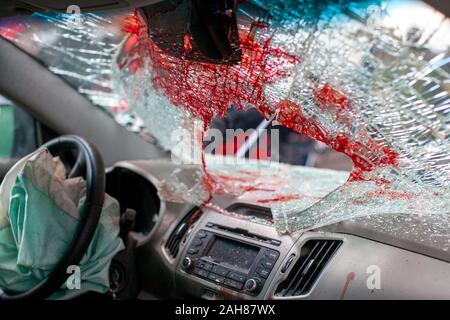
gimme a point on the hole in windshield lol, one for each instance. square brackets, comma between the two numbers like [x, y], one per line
[246, 133]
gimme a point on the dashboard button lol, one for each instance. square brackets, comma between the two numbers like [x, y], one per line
[207, 266]
[187, 263]
[201, 273]
[197, 243]
[201, 235]
[272, 254]
[268, 264]
[237, 277]
[204, 265]
[252, 285]
[233, 284]
[262, 272]
[220, 270]
[216, 278]
[288, 263]
[192, 251]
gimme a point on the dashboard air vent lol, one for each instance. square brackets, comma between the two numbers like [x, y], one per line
[314, 256]
[173, 243]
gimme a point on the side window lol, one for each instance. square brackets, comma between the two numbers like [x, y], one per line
[18, 131]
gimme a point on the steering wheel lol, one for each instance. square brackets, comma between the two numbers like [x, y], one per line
[90, 158]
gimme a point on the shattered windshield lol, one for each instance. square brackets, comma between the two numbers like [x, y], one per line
[367, 79]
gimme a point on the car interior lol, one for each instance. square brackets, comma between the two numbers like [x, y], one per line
[231, 248]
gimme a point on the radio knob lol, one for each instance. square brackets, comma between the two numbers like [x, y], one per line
[252, 285]
[187, 263]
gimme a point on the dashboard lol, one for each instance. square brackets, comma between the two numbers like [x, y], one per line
[202, 253]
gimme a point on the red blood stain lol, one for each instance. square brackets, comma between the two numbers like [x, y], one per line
[131, 57]
[350, 277]
[187, 45]
[260, 25]
[243, 184]
[252, 173]
[235, 179]
[391, 195]
[207, 180]
[334, 101]
[12, 28]
[385, 194]
[132, 24]
[290, 116]
[358, 175]
[195, 216]
[123, 106]
[328, 97]
[227, 294]
[207, 90]
[280, 198]
[366, 154]
[256, 188]
[260, 151]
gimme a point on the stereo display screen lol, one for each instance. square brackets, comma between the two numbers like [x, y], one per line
[233, 253]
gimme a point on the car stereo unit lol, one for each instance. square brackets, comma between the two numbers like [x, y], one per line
[229, 262]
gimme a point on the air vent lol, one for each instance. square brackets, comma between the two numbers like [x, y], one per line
[173, 243]
[314, 256]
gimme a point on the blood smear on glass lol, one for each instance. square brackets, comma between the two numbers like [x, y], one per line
[207, 90]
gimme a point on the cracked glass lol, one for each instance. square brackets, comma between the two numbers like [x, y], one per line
[369, 79]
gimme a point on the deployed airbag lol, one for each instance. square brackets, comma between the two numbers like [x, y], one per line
[39, 215]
